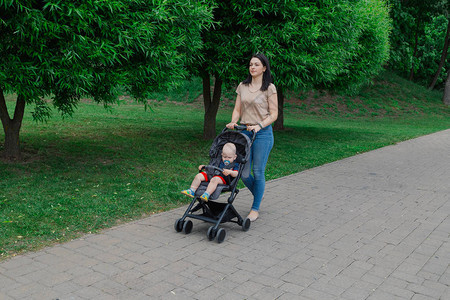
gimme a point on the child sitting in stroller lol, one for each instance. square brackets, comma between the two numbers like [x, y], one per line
[229, 169]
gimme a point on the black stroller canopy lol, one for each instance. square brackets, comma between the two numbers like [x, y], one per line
[240, 140]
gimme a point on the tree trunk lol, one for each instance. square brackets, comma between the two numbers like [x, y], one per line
[211, 105]
[443, 57]
[11, 127]
[446, 98]
[279, 123]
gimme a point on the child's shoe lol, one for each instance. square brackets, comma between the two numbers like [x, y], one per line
[205, 196]
[189, 192]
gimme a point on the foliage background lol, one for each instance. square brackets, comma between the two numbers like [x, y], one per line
[327, 44]
[66, 50]
[430, 27]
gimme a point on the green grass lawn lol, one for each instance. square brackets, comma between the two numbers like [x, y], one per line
[105, 167]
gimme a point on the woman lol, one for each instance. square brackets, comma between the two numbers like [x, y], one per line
[257, 107]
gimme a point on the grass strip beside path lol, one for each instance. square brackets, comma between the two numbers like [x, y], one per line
[102, 168]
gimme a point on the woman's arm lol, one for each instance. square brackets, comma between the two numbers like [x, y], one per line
[273, 111]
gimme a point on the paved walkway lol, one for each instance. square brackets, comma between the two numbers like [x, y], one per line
[373, 226]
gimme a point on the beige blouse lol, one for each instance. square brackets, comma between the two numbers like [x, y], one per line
[254, 105]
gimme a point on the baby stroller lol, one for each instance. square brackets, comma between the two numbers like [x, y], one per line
[213, 211]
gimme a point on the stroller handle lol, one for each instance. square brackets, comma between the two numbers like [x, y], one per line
[236, 127]
[240, 127]
[211, 168]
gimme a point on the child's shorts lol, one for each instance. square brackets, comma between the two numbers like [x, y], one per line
[225, 179]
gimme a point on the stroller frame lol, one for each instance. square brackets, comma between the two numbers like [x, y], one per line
[218, 212]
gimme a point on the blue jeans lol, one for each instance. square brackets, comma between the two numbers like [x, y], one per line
[259, 154]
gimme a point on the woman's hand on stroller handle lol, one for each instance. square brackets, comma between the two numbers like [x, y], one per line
[254, 128]
[235, 126]
[240, 127]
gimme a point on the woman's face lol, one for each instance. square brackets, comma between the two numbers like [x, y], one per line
[256, 67]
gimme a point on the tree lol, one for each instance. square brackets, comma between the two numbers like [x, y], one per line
[443, 57]
[337, 44]
[446, 98]
[422, 12]
[65, 50]
[323, 53]
[418, 35]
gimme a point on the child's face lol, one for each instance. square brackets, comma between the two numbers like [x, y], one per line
[230, 156]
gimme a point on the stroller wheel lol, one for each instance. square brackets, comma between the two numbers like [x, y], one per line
[187, 226]
[221, 234]
[211, 233]
[178, 225]
[246, 224]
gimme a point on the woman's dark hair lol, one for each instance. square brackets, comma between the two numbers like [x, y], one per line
[267, 76]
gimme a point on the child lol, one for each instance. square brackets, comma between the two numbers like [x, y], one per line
[230, 169]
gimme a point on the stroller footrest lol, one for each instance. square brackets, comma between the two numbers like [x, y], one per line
[220, 189]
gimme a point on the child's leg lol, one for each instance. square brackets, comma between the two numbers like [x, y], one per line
[195, 184]
[215, 181]
[197, 180]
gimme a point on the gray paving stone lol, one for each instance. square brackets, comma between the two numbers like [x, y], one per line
[4, 296]
[249, 288]
[231, 296]
[324, 285]
[382, 295]
[314, 294]
[88, 292]
[396, 291]
[267, 293]
[89, 279]
[374, 226]
[355, 292]
[424, 290]
[421, 297]
[289, 296]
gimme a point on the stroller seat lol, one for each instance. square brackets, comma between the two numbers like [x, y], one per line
[221, 188]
